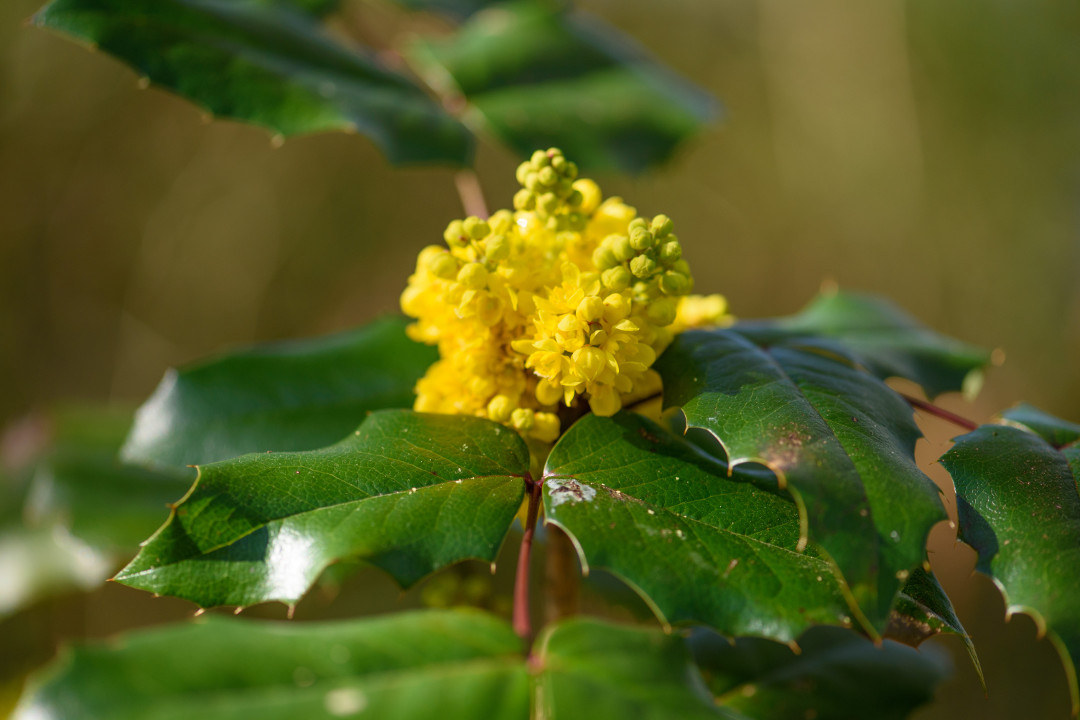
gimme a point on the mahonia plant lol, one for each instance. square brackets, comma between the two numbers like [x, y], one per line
[569, 298]
[773, 519]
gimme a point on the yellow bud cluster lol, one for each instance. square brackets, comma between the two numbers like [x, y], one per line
[569, 296]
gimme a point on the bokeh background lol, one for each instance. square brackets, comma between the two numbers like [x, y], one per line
[928, 150]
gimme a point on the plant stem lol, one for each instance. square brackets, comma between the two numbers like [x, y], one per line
[471, 193]
[522, 617]
[940, 412]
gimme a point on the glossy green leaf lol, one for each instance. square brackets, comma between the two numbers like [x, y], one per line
[838, 438]
[536, 76]
[411, 666]
[700, 546]
[298, 395]
[407, 492]
[1055, 431]
[878, 336]
[591, 670]
[453, 665]
[922, 611]
[269, 64]
[1018, 506]
[837, 675]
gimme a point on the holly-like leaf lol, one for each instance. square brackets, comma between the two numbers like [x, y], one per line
[591, 670]
[922, 611]
[1053, 430]
[298, 395]
[266, 63]
[839, 439]
[407, 492]
[459, 9]
[837, 675]
[457, 665]
[700, 546]
[1018, 507]
[538, 76]
[878, 336]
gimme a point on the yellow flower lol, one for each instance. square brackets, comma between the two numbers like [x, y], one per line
[568, 298]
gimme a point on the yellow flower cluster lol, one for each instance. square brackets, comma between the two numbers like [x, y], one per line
[570, 295]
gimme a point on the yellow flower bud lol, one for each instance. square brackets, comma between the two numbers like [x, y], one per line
[670, 252]
[589, 362]
[499, 408]
[497, 247]
[443, 265]
[540, 159]
[522, 419]
[616, 308]
[620, 246]
[603, 258]
[547, 203]
[642, 266]
[662, 225]
[590, 195]
[674, 283]
[548, 177]
[455, 234]
[473, 276]
[523, 171]
[641, 239]
[604, 401]
[475, 228]
[616, 278]
[524, 200]
[501, 221]
[590, 309]
[545, 427]
[548, 393]
[637, 224]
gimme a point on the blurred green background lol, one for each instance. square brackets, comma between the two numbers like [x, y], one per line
[927, 150]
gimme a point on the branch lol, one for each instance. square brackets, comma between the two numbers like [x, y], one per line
[522, 617]
[941, 412]
[472, 195]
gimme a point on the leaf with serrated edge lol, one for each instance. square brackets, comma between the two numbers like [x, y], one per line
[923, 610]
[592, 670]
[269, 64]
[878, 336]
[1018, 507]
[836, 675]
[838, 439]
[408, 492]
[465, 664]
[535, 75]
[700, 546]
[296, 395]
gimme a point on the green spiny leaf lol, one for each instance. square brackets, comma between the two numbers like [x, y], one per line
[408, 492]
[1018, 506]
[266, 63]
[537, 76]
[298, 395]
[837, 437]
[878, 336]
[923, 610]
[591, 670]
[837, 675]
[699, 545]
[467, 665]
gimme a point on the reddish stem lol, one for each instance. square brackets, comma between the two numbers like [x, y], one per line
[941, 412]
[522, 617]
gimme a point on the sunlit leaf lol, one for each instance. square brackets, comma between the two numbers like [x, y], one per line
[407, 492]
[837, 437]
[699, 545]
[298, 395]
